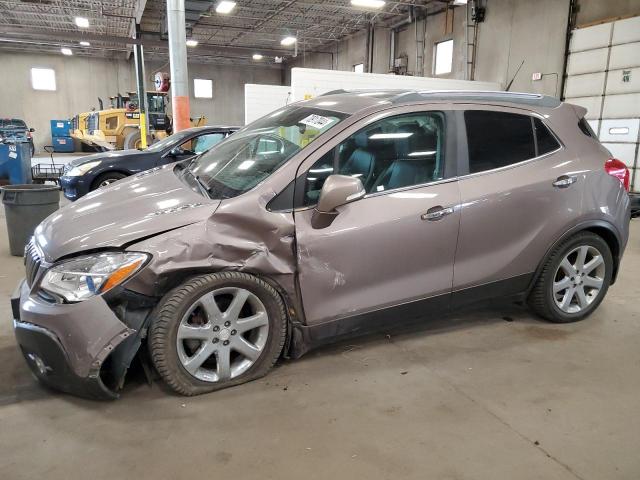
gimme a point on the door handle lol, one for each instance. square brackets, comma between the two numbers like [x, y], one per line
[436, 213]
[565, 181]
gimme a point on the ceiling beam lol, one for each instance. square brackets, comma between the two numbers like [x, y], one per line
[66, 37]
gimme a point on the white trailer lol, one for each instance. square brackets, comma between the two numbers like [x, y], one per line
[307, 83]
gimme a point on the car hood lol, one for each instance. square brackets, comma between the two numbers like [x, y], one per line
[137, 207]
[120, 154]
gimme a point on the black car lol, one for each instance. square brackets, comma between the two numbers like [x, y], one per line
[14, 130]
[94, 171]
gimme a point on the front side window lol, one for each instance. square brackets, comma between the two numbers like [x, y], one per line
[392, 153]
[205, 142]
[498, 139]
[255, 152]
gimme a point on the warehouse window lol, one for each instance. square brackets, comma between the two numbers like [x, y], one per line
[358, 68]
[43, 79]
[443, 57]
[202, 88]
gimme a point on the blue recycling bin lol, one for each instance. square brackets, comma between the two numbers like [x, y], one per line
[15, 163]
[60, 128]
[63, 145]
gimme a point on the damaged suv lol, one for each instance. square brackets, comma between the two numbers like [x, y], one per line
[326, 218]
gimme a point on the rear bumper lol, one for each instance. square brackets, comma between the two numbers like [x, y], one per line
[66, 346]
[635, 204]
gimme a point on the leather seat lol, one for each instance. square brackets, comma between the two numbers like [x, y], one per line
[406, 170]
[361, 161]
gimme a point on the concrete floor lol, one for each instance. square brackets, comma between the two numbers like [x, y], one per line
[494, 394]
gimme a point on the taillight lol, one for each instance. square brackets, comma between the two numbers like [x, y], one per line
[616, 168]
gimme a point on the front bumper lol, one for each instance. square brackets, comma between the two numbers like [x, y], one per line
[74, 187]
[66, 345]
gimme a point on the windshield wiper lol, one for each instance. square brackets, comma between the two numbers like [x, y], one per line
[201, 182]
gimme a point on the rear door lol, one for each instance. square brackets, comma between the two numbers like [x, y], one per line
[396, 245]
[512, 206]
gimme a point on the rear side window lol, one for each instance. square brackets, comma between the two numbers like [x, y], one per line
[545, 141]
[498, 139]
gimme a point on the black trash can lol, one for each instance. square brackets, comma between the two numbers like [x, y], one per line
[25, 206]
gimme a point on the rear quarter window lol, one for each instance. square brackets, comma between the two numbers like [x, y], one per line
[545, 141]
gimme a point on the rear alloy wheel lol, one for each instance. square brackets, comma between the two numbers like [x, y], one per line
[216, 331]
[574, 279]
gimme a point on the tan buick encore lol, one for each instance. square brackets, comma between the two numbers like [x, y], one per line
[329, 217]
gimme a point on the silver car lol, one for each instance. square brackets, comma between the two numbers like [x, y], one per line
[327, 218]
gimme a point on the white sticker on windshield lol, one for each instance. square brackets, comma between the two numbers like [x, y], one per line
[317, 121]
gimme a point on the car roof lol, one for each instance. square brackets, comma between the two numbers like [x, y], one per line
[10, 121]
[352, 101]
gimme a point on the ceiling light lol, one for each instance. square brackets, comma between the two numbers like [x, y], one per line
[225, 7]
[66, 51]
[286, 41]
[257, 56]
[368, 3]
[85, 44]
[82, 22]
[192, 42]
[459, 2]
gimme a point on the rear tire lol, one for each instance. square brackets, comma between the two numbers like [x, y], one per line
[574, 280]
[207, 327]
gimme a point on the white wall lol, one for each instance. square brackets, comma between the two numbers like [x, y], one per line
[227, 105]
[80, 81]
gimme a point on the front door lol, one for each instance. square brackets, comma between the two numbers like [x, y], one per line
[394, 246]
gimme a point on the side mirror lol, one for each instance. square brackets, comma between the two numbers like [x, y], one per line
[32, 129]
[339, 190]
[176, 152]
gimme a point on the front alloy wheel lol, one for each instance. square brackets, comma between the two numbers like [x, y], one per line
[222, 334]
[215, 331]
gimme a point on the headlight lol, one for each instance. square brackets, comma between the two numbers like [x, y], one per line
[82, 169]
[84, 277]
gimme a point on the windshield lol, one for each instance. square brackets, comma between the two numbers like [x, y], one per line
[252, 154]
[12, 123]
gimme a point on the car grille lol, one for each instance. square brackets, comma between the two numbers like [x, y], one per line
[32, 262]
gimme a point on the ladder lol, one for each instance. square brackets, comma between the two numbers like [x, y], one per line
[471, 39]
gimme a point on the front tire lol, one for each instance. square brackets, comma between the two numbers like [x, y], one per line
[107, 179]
[574, 280]
[216, 331]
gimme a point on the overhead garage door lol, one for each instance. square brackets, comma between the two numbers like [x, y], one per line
[603, 75]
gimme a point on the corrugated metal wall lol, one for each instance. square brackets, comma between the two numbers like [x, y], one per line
[603, 75]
